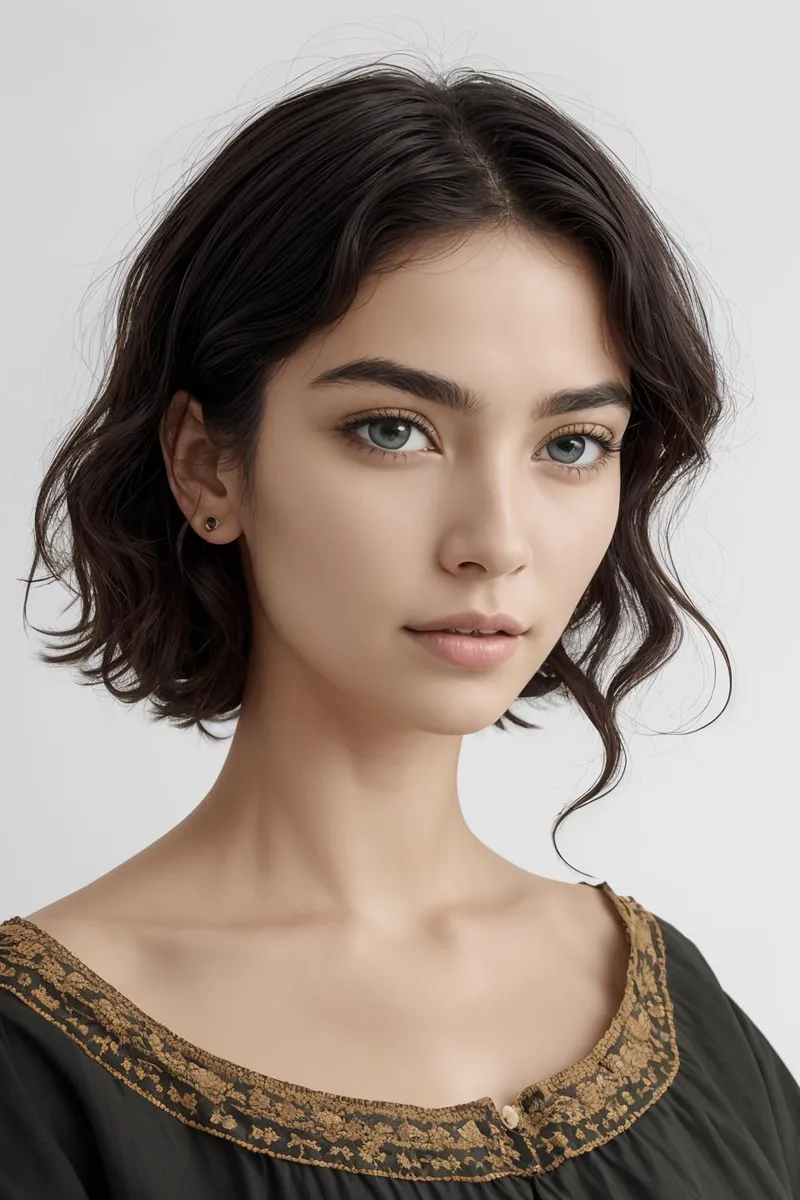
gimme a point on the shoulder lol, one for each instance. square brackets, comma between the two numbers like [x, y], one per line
[728, 1063]
[55, 1011]
[34, 1006]
[43, 963]
[670, 970]
[715, 1034]
[702, 1006]
[704, 1009]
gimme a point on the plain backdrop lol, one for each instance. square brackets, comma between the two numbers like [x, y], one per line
[105, 108]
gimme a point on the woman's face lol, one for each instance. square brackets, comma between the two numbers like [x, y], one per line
[427, 511]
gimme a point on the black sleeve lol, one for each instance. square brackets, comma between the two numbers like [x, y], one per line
[780, 1097]
[39, 1153]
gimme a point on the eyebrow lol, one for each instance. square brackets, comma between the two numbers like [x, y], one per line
[440, 390]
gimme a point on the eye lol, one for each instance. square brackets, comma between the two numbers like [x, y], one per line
[393, 427]
[601, 439]
[388, 427]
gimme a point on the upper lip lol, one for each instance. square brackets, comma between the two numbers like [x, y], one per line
[473, 620]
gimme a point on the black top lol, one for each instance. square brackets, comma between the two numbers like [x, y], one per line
[682, 1098]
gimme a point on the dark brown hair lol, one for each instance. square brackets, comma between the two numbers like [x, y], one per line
[267, 246]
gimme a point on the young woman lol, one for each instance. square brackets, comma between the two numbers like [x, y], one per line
[399, 382]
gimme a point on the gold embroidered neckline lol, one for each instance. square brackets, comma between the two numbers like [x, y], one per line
[567, 1114]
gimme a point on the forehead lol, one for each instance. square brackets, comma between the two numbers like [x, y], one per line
[514, 280]
[489, 307]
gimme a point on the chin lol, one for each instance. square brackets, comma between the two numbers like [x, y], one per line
[450, 712]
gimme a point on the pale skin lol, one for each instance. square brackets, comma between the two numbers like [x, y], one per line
[325, 915]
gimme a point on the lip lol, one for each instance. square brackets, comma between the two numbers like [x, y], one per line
[465, 650]
[472, 620]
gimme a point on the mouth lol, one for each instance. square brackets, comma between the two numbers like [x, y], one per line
[474, 623]
[471, 649]
[476, 633]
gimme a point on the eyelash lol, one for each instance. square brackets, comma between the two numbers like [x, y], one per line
[347, 428]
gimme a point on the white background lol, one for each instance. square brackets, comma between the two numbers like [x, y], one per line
[107, 105]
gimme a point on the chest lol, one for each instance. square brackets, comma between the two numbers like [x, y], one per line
[414, 1028]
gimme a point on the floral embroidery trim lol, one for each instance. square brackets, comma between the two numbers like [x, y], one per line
[566, 1115]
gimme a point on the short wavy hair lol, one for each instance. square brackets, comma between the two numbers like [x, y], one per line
[266, 247]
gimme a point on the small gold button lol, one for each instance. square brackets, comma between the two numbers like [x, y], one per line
[510, 1116]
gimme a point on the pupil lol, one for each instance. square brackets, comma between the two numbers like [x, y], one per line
[569, 437]
[392, 421]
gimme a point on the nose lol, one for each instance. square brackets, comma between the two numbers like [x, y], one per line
[488, 533]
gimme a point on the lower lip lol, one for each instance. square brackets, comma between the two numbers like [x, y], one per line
[464, 650]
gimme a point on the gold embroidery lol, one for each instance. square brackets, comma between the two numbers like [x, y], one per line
[559, 1118]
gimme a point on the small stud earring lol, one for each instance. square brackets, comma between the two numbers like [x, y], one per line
[211, 523]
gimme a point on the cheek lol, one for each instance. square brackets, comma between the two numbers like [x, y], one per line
[570, 533]
[577, 547]
[593, 533]
[328, 551]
